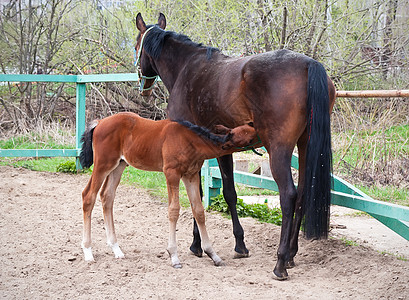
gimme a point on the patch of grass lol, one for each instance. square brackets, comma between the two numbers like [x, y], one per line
[260, 212]
[67, 167]
[244, 190]
[36, 164]
[390, 194]
[349, 242]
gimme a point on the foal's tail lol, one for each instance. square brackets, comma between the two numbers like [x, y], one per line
[87, 154]
[318, 182]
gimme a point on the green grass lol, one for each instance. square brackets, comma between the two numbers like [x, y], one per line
[260, 212]
[349, 242]
[244, 190]
[154, 183]
[55, 138]
[40, 164]
[388, 194]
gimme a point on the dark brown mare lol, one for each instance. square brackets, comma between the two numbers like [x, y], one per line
[175, 149]
[288, 96]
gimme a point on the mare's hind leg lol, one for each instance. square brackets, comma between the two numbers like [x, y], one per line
[280, 162]
[230, 196]
[107, 198]
[302, 148]
[192, 189]
[172, 181]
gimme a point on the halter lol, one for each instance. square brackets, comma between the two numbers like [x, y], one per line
[138, 67]
[251, 147]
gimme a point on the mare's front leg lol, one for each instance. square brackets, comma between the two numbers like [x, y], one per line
[196, 246]
[230, 196]
[192, 188]
[107, 198]
[172, 181]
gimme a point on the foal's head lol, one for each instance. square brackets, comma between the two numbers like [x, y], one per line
[241, 136]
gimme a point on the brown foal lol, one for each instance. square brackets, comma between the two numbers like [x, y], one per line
[125, 139]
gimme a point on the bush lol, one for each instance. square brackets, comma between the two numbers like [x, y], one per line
[260, 212]
[67, 167]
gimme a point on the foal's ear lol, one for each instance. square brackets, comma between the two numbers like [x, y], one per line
[220, 129]
[162, 21]
[140, 23]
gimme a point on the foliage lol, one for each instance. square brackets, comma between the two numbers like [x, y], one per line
[67, 167]
[260, 212]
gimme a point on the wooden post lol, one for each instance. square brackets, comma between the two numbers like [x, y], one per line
[370, 94]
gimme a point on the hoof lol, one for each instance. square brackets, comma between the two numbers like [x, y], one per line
[240, 255]
[290, 264]
[177, 266]
[219, 263]
[280, 276]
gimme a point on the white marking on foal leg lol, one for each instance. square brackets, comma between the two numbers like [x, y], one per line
[87, 253]
[174, 257]
[216, 259]
[117, 251]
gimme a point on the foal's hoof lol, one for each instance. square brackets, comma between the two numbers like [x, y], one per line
[280, 275]
[290, 264]
[177, 266]
[219, 263]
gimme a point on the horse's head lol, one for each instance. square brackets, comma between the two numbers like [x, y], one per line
[146, 69]
[238, 137]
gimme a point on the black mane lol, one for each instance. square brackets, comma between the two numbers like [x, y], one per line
[204, 132]
[154, 41]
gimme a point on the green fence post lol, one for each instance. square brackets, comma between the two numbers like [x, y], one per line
[80, 119]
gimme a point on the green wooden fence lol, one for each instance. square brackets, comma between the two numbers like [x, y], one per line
[396, 217]
[80, 81]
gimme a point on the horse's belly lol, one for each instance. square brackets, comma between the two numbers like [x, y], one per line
[145, 164]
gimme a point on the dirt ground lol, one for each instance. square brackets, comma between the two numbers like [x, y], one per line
[40, 254]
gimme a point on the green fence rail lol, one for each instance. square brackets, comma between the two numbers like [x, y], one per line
[396, 217]
[80, 81]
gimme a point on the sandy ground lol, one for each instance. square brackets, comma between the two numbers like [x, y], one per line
[40, 254]
[352, 225]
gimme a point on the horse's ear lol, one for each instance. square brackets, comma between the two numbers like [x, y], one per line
[162, 21]
[220, 129]
[140, 23]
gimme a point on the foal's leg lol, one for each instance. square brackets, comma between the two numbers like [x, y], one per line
[280, 162]
[192, 189]
[230, 196]
[172, 181]
[107, 198]
[89, 195]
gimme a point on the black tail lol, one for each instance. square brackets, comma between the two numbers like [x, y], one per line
[317, 191]
[204, 132]
[87, 154]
